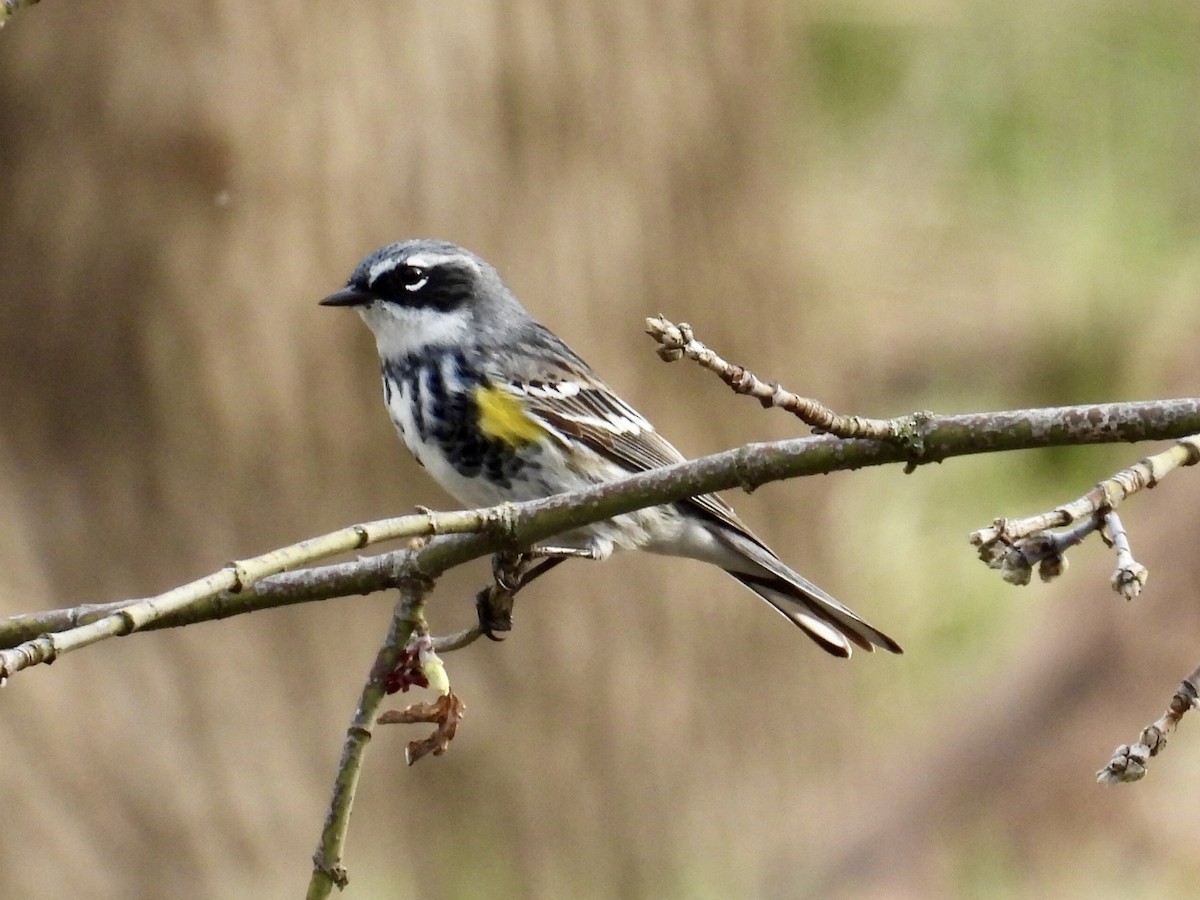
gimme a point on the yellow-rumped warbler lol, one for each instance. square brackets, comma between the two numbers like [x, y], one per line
[497, 409]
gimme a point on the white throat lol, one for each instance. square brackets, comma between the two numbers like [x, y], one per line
[401, 330]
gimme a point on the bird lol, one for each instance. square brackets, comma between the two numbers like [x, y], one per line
[497, 408]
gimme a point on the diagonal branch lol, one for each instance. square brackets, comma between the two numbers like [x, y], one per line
[252, 584]
[678, 341]
[236, 577]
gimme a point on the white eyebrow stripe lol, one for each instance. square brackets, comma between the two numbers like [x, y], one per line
[384, 265]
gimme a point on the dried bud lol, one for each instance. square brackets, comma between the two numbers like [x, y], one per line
[1129, 580]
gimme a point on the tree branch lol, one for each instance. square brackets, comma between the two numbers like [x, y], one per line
[234, 578]
[248, 585]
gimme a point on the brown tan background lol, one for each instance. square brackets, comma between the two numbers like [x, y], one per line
[888, 206]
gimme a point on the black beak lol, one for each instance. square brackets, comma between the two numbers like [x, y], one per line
[349, 296]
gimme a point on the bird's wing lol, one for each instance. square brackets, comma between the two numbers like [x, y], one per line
[578, 406]
[561, 394]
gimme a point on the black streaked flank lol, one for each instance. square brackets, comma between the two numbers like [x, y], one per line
[448, 416]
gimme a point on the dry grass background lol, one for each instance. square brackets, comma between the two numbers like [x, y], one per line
[890, 207]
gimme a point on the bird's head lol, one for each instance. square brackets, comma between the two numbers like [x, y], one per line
[418, 294]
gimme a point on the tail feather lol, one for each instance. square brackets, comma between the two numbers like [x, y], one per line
[828, 637]
[832, 625]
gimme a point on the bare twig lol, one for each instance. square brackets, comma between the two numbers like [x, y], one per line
[678, 341]
[920, 435]
[408, 658]
[448, 643]
[238, 576]
[362, 576]
[1130, 576]
[1130, 761]
[1014, 545]
[328, 870]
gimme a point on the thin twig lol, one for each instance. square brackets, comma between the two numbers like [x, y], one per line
[1130, 761]
[238, 576]
[1129, 576]
[1014, 545]
[448, 643]
[678, 341]
[328, 870]
[366, 574]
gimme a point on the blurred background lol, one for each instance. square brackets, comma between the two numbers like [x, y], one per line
[887, 206]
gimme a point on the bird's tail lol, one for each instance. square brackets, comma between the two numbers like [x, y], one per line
[832, 625]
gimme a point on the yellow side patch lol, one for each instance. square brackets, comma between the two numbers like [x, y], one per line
[502, 417]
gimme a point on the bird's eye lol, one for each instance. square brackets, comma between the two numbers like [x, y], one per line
[412, 277]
